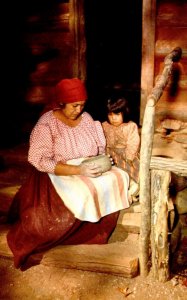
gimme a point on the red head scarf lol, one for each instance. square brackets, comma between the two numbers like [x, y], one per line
[70, 90]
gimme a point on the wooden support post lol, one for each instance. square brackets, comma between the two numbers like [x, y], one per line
[148, 49]
[145, 186]
[77, 25]
[159, 224]
[145, 158]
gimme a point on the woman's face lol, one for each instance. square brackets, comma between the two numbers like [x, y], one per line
[115, 119]
[73, 110]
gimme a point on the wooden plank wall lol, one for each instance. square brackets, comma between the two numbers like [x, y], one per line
[43, 43]
[54, 36]
[48, 39]
[171, 32]
[170, 137]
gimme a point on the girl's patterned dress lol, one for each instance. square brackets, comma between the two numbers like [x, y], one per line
[123, 143]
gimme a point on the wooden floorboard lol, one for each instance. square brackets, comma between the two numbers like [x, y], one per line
[119, 258]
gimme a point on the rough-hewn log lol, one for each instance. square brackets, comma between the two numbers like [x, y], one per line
[77, 21]
[145, 158]
[148, 47]
[162, 80]
[115, 258]
[159, 227]
[178, 167]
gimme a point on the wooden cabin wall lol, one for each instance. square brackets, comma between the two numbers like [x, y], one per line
[45, 41]
[44, 44]
[171, 111]
[113, 34]
[164, 26]
[171, 32]
[47, 37]
[52, 36]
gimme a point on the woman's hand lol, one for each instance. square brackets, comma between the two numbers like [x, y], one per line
[91, 170]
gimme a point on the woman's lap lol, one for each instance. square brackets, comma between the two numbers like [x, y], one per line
[41, 221]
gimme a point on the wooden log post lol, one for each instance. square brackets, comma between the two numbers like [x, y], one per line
[148, 49]
[77, 25]
[145, 158]
[159, 225]
[145, 192]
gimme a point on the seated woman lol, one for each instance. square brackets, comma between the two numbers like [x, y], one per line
[65, 201]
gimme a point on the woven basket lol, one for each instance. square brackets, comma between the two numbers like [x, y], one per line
[102, 161]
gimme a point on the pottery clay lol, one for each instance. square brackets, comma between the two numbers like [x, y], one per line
[102, 161]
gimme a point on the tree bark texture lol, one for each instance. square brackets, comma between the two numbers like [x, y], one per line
[159, 225]
[145, 159]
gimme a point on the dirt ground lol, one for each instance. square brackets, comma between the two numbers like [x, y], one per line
[53, 283]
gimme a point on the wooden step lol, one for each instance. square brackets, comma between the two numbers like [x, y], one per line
[129, 221]
[4, 249]
[118, 258]
[134, 208]
[6, 196]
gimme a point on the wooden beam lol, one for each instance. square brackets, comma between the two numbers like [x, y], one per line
[118, 258]
[145, 158]
[159, 226]
[115, 258]
[178, 167]
[145, 192]
[148, 48]
[77, 29]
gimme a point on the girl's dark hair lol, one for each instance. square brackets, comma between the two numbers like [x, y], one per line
[117, 105]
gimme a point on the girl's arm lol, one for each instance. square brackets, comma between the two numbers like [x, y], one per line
[133, 141]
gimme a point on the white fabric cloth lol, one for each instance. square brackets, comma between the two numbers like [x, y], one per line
[88, 198]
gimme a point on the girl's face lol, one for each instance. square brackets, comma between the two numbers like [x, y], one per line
[73, 110]
[115, 119]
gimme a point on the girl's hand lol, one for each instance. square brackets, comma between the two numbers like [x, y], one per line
[90, 170]
[111, 159]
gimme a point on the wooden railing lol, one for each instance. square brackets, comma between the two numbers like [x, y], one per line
[154, 185]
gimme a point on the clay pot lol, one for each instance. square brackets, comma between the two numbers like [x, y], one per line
[102, 161]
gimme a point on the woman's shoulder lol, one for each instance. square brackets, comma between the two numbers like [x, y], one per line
[87, 118]
[46, 116]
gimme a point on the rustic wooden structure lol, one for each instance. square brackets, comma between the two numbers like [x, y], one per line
[55, 40]
[154, 185]
[119, 257]
[164, 134]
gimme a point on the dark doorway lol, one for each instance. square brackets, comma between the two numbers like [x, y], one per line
[114, 35]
